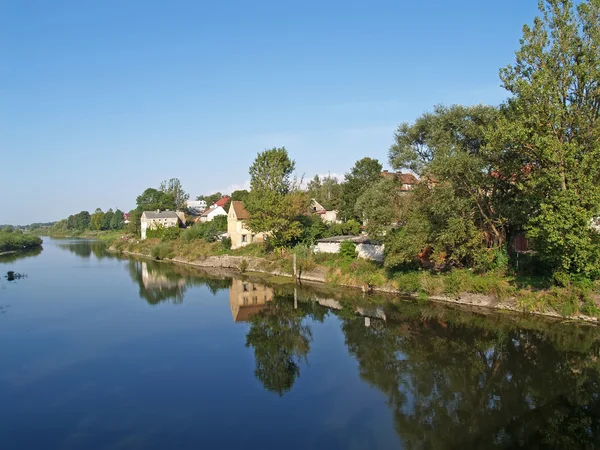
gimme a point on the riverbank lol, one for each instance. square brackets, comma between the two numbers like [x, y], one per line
[17, 241]
[459, 287]
[106, 236]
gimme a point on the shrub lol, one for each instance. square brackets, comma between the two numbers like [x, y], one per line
[408, 282]
[226, 243]
[244, 265]
[160, 251]
[348, 250]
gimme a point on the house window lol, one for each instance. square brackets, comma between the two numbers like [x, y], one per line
[245, 285]
[244, 238]
[245, 301]
[253, 287]
[255, 300]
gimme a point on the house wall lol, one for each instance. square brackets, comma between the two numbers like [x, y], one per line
[328, 247]
[370, 251]
[329, 217]
[151, 224]
[366, 251]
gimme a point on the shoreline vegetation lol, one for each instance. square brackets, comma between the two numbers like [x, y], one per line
[499, 291]
[13, 240]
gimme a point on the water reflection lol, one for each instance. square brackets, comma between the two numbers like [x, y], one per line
[14, 256]
[451, 378]
[247, 299]
[85, 248]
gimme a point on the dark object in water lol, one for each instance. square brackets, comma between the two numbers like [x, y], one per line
[12, 276]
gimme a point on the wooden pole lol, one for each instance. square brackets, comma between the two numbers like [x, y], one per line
[295, 273]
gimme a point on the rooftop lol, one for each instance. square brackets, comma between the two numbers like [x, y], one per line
[160, 215]
[240, 211]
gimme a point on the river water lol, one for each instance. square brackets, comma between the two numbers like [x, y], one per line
[101, 352]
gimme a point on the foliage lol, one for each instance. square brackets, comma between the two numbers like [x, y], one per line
[153, 199]
[348, 249]
[209, 231]
[365, 173]
[549, 136]
[161, 251]
[456, 215]
[17, 240]
[275, 203]
[174, 190]
[380, 206]
[163, 233]
[326, 190]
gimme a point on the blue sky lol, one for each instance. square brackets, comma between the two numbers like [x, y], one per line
[102, 99]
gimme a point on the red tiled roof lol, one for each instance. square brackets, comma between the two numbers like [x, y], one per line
[222, 201]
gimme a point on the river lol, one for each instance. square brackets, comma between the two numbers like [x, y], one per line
[102, 352]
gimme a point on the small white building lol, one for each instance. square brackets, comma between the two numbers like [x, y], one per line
[327, 216]
[210, 214]
[151, 220]
[364, 247]
[196, 207]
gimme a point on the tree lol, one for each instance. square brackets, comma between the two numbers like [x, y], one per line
[552, 133]
[380, 206]
[97, 220]
[326, 190]
[459, 209]
[152, 199]
[174, 189]
[134, 225]
[117, 222]
[365, 173]
[108, 215]
[240, 195]
[275, 202]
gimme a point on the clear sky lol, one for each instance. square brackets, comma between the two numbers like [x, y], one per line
[102, 99]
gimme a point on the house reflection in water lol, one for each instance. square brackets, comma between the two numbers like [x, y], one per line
[158, 286]
[246, 299]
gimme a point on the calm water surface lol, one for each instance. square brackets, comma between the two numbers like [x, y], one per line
[99, 352]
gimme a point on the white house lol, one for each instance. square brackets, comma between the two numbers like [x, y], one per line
[196, 206]
[153, 219]
[327, 216]
[210, 214]
[365, 248]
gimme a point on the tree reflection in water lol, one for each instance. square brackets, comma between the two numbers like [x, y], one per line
[457, 380]
[281, 338]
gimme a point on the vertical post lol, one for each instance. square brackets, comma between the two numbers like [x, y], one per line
[295, 298]
[295, 273]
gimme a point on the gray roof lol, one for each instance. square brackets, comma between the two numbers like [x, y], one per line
[160, 215]
[355, 239]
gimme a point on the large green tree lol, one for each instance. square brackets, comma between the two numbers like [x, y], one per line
[551, 137]
[97, 219]
[364, 174]
[275, 203]
[174, 189]
[152, 199]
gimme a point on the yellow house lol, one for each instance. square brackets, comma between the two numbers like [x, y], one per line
[237, 230]
[246, 298]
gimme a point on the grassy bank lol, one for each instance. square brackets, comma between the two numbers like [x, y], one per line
[108, 236]
[500, 288]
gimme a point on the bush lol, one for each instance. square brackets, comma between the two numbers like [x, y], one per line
[348, 250]
[160, 251]
[244, 265]
[17, 240]
[226, 243]
[209, 231]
